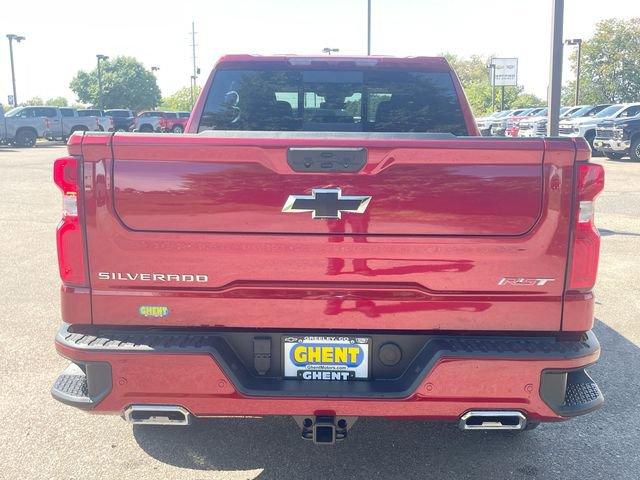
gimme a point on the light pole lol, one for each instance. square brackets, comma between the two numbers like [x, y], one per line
[555, 72]
[578, 42]
[328, 50]
[17, 38]
[100, 57]
[492, 76]
[368, 27]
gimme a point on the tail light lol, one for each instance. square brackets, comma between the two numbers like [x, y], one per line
[97, 123]
[47, 123]
[586, 239]
[69, 235]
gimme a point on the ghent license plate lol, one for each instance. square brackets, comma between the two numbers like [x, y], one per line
[326, 358]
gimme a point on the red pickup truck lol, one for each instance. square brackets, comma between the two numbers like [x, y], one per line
[330, 239]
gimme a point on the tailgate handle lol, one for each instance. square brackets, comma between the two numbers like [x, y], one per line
[315, 160]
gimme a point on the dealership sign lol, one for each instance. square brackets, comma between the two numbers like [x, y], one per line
[504, 71]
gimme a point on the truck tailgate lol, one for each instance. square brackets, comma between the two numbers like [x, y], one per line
[195, 224]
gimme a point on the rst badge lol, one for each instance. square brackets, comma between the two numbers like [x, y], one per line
[326, 203]
[524, 282]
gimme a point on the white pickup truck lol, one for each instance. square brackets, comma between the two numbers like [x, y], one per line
[105, 122]
[62, 121]
[21, 127]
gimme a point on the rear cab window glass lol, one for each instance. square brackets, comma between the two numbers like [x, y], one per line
[47, 112]
[65, 112]
[387, 100]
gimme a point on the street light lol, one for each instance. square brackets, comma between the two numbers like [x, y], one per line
[368, 27]
[328, 50]
[17, 38]
[578, 42]
[492, 78]
[100, 57]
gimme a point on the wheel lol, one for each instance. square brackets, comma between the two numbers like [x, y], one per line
[177, 129]
[634, 153]
[77, 129]
[146, 128]
[614, 155]
[26, 138]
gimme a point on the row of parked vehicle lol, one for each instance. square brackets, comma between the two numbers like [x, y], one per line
[22, 126]
[613, 130]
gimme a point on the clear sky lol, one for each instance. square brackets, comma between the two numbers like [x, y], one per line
[65, 36]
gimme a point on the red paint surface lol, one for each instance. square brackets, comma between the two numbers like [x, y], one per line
[449, 218]
[198, 384]
[445, 276]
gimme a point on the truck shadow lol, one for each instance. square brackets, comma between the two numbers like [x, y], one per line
[377, 448]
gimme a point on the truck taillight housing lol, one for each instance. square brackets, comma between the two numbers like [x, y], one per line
[69, 235]
[585, 250]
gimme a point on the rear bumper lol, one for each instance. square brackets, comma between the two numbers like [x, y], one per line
[205, 372]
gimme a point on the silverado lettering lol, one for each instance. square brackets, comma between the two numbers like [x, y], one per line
[353, 227]
[153, 277]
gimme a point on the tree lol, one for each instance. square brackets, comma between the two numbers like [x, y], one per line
[474, 76]
[181, 100]
[57, 102]
[34, 101]
[125, 84]
[610, 64]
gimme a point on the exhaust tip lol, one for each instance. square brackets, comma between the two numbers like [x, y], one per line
[157, 415]
[493, 420]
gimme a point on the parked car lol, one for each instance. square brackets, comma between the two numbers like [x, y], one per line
[174, 122]
[513, 123]
[329, 260]
[105, 122]
[148, 121]
[586, 126]
[122, 119]
[20, 127]
[499, 126]
[62, 122]
[484, 123]
[159, 121]
[618, 138]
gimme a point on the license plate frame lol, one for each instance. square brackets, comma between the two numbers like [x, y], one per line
[299, 354]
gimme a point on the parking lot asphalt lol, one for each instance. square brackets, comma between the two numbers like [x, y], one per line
[42, 439]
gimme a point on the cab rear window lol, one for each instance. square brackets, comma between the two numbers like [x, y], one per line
[333, 101]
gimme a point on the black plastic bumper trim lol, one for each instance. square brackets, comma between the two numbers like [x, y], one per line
[176, 341]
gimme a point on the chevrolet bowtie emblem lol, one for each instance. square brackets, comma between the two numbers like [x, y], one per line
[327, 203]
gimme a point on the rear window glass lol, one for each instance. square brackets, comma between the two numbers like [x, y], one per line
[89, 113]
[333, 101]
[170, 115]
[119, 113]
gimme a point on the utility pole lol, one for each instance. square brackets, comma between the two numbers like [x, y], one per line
[578, 42]
[555, 74]
[492, 72]
[368, 27]
[100, 57]
[194, 75]
[17, 38]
